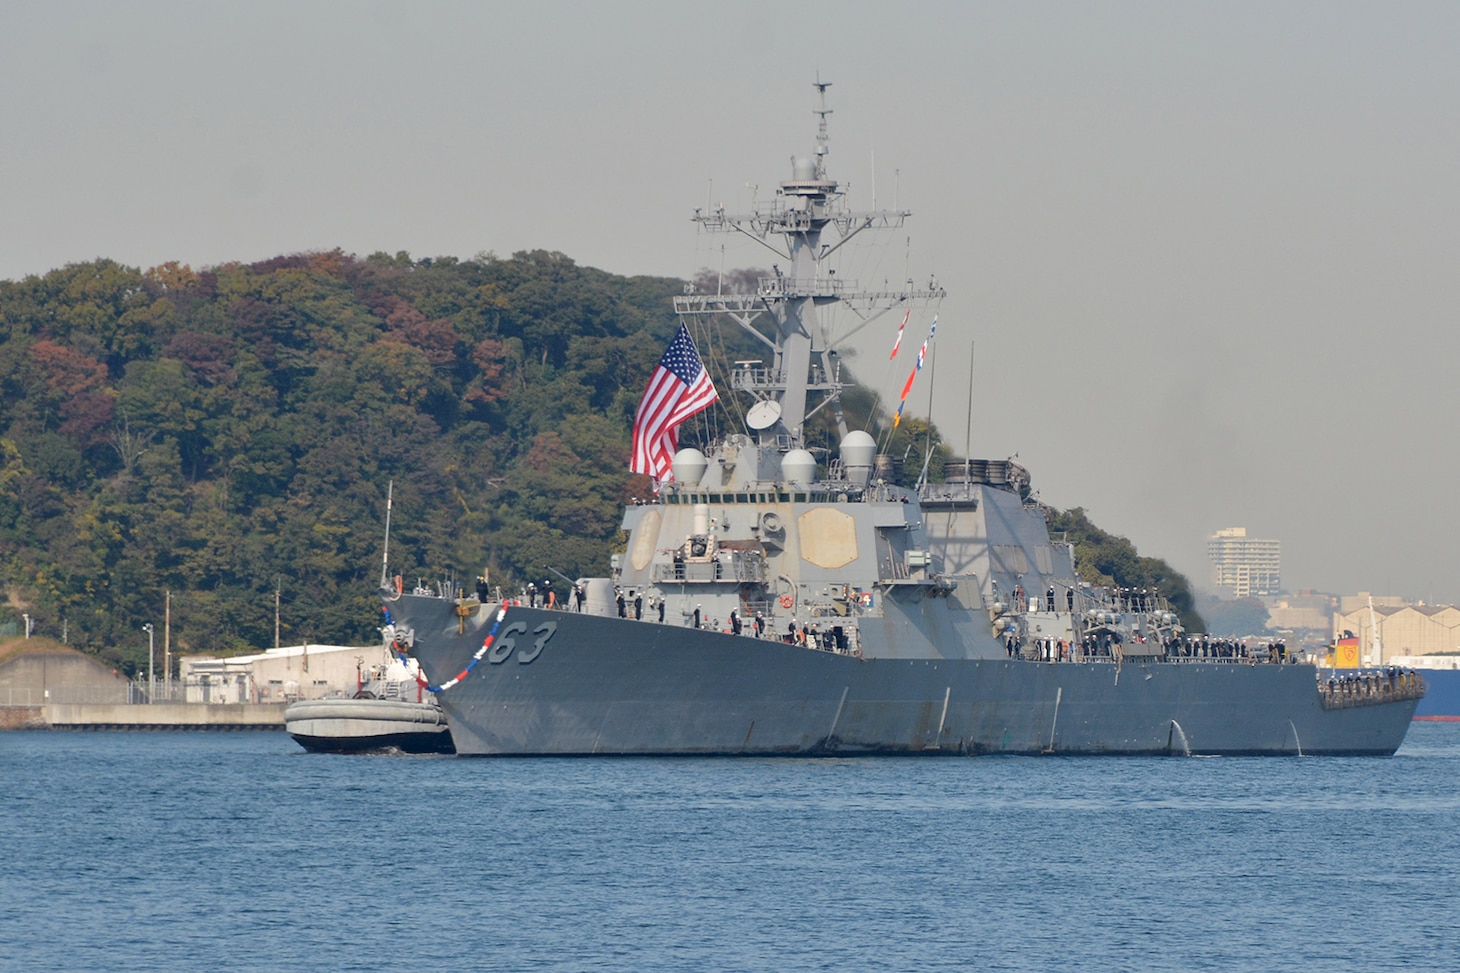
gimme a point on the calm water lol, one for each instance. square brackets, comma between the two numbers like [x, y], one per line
[238, 851]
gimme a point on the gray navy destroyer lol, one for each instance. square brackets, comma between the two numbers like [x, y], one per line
[812, 607]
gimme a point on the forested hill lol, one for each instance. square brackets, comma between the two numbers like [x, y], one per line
[228, 433]
[218, 433]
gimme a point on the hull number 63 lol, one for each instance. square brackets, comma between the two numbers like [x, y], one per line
[507, 641]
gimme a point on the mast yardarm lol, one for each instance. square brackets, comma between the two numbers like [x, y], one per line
[804, 226]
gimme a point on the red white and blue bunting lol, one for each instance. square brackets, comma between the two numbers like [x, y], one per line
[476, 657]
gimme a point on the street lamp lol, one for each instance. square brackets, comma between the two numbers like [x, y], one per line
[151, 685]
[27, 623]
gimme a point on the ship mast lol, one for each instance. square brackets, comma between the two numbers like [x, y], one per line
[804, 226]
[1376, 648]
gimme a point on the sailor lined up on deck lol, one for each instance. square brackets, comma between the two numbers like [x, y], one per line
[734, 623]
[1141, 600]
[1371, 686]
[1022, 603]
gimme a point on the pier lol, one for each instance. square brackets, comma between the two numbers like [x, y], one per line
[163, 716]
[143, 716]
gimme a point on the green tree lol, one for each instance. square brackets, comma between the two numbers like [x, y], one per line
[1103, 558]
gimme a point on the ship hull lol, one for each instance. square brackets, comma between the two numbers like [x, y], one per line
[1442, 698]
[583, 684]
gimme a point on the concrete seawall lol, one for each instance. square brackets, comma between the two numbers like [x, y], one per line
[162, 716]
[22, 718]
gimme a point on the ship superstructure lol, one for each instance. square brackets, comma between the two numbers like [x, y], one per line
[768, 602]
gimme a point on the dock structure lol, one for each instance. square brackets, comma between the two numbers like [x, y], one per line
[45, 685]
[144, 716]
[163, 716]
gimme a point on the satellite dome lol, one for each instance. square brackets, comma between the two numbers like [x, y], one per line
[689, 466]
[803, 168]
[858, 452]
[798, 466]
[858, 449]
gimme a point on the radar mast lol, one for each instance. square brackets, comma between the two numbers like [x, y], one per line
[804, 226]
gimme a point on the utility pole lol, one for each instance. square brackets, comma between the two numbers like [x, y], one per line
[278, 585]
[151, 679]
[167, 649]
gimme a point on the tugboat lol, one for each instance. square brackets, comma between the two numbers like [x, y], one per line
[809, 606]
[389, 713]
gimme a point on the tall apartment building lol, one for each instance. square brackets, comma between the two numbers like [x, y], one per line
[1244, 566]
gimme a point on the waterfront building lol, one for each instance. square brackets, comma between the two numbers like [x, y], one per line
[1308, 610]
[1404, 630]
[1245, 566]
[281, 675]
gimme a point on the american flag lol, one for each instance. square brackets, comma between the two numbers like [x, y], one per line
[679, 388]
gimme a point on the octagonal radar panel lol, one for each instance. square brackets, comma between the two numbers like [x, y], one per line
[763, 415]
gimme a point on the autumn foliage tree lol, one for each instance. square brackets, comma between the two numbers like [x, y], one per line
[214, 433]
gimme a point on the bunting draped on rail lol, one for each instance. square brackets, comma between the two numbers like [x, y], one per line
[477, 657]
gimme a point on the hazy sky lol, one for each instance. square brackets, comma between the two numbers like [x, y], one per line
[1207, 252]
